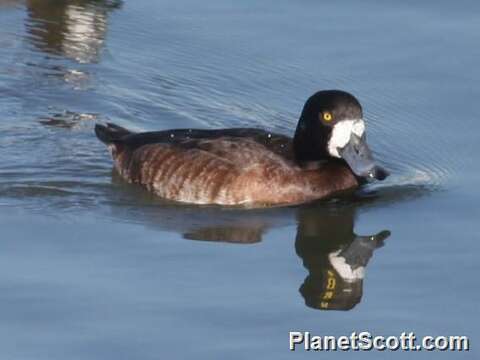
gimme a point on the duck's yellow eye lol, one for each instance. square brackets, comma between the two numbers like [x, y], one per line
[327, 116]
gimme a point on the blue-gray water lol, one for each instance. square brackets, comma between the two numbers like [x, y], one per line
[93, 268]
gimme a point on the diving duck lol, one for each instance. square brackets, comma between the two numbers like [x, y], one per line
[327, 155]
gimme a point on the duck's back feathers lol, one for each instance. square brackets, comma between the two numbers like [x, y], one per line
[228, 167]
[280, 144]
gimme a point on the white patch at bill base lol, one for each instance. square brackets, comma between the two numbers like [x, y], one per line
[341, 134]
[346, 272]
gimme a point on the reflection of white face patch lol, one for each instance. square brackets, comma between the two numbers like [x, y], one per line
[342, 132]
[346, 271]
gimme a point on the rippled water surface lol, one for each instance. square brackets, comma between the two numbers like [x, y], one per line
[94, 268]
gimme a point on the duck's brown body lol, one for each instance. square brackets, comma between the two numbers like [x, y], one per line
[226, 167]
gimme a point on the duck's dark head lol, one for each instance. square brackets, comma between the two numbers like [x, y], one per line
[332, 126]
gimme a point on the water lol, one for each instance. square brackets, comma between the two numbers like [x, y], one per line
[95, 268]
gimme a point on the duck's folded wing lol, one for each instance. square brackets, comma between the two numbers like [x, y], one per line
[175, 172]
[205, 171]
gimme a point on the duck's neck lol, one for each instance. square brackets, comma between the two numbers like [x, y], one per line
[308, 142]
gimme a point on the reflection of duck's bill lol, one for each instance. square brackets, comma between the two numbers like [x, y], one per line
[348, 273]
[359, 158]
[350, 262]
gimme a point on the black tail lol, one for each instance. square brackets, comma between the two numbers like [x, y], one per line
[110, 133]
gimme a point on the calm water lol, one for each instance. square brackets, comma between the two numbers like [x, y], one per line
[93, 268]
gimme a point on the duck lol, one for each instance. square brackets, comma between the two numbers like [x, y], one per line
[327, 156]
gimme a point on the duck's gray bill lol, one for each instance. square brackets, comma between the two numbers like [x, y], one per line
[359, 157]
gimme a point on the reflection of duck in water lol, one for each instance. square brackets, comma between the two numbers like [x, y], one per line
[335, 257]
[333, 254]
[72, 28]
